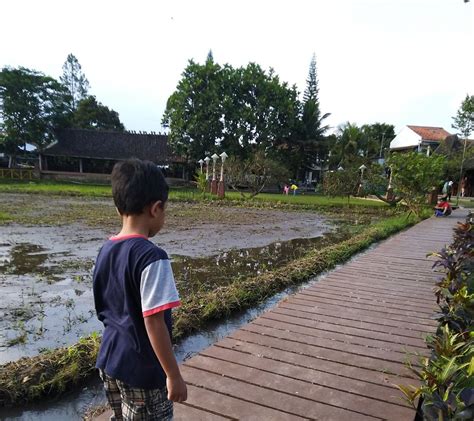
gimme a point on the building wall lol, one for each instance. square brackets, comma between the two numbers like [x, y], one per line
[406, 138]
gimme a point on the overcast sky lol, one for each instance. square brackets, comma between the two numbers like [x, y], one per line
[394, 61]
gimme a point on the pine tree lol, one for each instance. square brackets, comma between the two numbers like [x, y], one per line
[74, 80]
[312, 90]
[210, 57]
[310, 144]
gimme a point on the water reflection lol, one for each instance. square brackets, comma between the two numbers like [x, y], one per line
[22, 258]
[206, 273]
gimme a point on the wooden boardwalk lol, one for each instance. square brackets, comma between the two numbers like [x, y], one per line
[333, 351]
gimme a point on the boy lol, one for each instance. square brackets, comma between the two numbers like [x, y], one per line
[443, 208]
[134, 292]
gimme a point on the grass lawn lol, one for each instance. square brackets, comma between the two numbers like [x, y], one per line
[92, 190]
[466, 203]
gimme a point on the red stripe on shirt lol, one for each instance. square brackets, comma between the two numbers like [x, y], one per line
[125, 237]
[161, 308]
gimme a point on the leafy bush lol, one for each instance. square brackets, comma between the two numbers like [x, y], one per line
[254, 174]
[414, 175]
[341, 183]
[201, 182]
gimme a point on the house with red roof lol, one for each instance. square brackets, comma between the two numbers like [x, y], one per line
[418, 138]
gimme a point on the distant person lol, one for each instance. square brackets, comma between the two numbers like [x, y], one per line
[286, 189]
[464, 183]
[134, 291]
[445, 188]
[443, 208]
[293, 188]
[450, 189]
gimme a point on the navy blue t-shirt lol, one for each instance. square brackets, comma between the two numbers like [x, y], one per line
[132, 280]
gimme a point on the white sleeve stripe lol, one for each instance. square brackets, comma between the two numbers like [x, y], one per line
[157, 287]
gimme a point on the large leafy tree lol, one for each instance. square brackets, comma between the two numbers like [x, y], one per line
[259, 111]
[239, 110]
[194, 111]
[91, 114]
[74, 80]
[376, 139]
[356, 145]
[347, 150]
[32, 106]
[464, 119]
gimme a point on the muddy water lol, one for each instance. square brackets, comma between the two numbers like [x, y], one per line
[45, 271]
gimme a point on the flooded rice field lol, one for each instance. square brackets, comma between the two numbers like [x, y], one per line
[47, 253]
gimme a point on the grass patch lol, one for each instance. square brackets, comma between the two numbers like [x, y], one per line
[54, 372]
[308, 200]
[47, 374]
[466, 203]
[5, 217]
[57, 188]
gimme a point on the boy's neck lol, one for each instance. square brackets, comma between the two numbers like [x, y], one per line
[134, 225]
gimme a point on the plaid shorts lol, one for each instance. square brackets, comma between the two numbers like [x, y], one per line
[131, 403]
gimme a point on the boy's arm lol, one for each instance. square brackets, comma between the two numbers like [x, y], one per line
[160, 341]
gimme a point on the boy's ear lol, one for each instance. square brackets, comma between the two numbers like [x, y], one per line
[156, 207]
[118, 212]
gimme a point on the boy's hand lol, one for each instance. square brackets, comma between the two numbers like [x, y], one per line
[177, 390]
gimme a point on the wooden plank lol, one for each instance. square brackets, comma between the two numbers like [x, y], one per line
[386, 337]
[299, 359]
[316, 299]
[186, 412]
[227, 405]
[338, 322]
[375, 319]
[336, 290]
[356, 353]
[290, 405]
[341, 335]
[258, 336]
[381, 392]
[318, 395]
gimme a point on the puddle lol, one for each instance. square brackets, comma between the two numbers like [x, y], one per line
[22, 258]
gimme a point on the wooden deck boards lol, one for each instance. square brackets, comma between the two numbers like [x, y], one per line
[333, 351]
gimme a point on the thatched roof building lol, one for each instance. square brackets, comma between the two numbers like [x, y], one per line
[110, 145]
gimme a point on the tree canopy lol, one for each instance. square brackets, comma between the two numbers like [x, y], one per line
[91, 114]
[236, 109]
[464, 119]
[32, 106]
[354, 145]
[414, 175]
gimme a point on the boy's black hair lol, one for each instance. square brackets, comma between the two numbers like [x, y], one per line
[136, 184]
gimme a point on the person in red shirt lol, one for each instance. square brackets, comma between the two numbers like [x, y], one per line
[443, 208]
